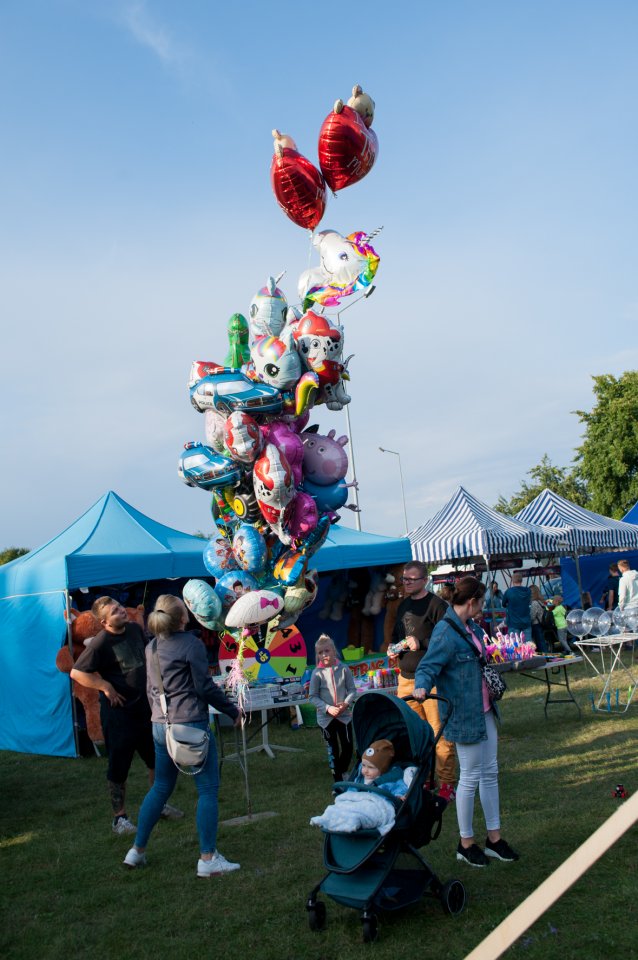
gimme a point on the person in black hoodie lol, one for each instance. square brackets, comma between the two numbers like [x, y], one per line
[417, 616]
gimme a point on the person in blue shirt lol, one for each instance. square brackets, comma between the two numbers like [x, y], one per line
[517, 601]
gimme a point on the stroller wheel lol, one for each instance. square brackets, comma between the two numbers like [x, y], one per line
[453, 897]
[316, 915]
[370, 928]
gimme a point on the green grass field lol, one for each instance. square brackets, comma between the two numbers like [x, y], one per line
[65, 892]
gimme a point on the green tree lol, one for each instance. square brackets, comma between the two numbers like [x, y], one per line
[11, 553]
[607, 459]
[561, 480]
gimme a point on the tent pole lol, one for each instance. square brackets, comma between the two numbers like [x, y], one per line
[489, 587]
[69, 640]
[578, 577]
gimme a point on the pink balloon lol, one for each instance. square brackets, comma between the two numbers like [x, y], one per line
[287, 442]
[303, 516]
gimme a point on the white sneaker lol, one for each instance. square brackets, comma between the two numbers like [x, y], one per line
[122, 825]
[215, 867]
[135, 859]
[171, 813]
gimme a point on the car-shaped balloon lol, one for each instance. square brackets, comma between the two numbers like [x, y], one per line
[201, 466]
[228, 390]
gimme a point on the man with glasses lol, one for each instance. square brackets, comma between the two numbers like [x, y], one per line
[417, 615]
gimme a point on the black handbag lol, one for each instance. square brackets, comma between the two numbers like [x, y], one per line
[494, 682]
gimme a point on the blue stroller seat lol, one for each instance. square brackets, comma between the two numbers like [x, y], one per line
[368, 871]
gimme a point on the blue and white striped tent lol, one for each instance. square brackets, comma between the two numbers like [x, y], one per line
[579, 529]
[465, 527]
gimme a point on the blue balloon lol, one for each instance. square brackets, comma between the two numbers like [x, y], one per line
[233, 585]
[329, 497]
[249, 549]
[218, 557]
[203, 603]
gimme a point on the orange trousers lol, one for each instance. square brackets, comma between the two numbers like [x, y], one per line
[429, 710]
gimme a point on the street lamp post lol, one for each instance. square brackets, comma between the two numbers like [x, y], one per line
[405, 512]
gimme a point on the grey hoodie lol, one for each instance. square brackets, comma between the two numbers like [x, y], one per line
[628, 590]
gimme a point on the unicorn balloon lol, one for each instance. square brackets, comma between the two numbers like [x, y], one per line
[348, 264]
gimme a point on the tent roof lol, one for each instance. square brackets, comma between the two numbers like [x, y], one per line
[111, 543]
[632, 515]
[345, 549]
[579, 528]
[466, 527]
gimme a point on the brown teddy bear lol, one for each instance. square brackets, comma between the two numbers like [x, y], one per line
[84, 627]
[361, 102]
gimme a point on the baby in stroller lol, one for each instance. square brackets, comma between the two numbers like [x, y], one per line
[361, 806]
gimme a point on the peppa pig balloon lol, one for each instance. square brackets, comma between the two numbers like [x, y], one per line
[249, 549]
[287, 442]
[242, 437]
[325, 460]
[329, 497]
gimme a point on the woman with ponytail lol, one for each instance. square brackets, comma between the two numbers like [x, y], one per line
[189, 691]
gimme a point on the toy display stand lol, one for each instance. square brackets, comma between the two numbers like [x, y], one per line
[604, 656]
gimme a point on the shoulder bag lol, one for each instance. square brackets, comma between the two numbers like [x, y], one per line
[187, 746]
[496, 686]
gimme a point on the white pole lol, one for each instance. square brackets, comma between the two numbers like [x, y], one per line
[353, 468]
[405, 511]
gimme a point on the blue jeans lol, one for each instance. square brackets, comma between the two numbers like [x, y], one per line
[166, 773]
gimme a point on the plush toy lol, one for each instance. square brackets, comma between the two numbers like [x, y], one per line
[84, 627]
[393, 597]
[335, 599]
[375, 596]
[361, 102]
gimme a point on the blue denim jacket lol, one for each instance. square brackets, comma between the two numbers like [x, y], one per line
[455, 671]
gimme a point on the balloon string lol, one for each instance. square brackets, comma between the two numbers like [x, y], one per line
[309, 248]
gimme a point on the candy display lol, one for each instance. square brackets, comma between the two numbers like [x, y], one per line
[509, 646]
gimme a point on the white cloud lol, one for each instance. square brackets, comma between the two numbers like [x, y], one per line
[150, 34]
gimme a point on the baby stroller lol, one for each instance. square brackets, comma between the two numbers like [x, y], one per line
[370, 872]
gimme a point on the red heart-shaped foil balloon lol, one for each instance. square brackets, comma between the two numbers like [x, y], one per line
[299, 188]
[347, 148]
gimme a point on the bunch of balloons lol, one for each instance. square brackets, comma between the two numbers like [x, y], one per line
[347, 149]
[275, 482]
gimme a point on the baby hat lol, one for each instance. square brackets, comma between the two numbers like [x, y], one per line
[380, 754]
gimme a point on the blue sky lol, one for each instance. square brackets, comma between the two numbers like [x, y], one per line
[136, 216]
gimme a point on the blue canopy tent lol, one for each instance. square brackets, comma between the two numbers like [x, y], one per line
[581, 531]
[111, 543]
[632, 515]
[346, 549]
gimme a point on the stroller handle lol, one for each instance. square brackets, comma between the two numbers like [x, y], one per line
[444, 720]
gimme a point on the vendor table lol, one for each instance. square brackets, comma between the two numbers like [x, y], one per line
[552, 672]
[603, 654]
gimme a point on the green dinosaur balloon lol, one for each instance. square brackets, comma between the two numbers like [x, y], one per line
[239, 351]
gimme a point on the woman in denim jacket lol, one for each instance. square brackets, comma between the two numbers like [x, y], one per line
[452, 665]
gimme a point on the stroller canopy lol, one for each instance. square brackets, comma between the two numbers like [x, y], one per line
[382, 716]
